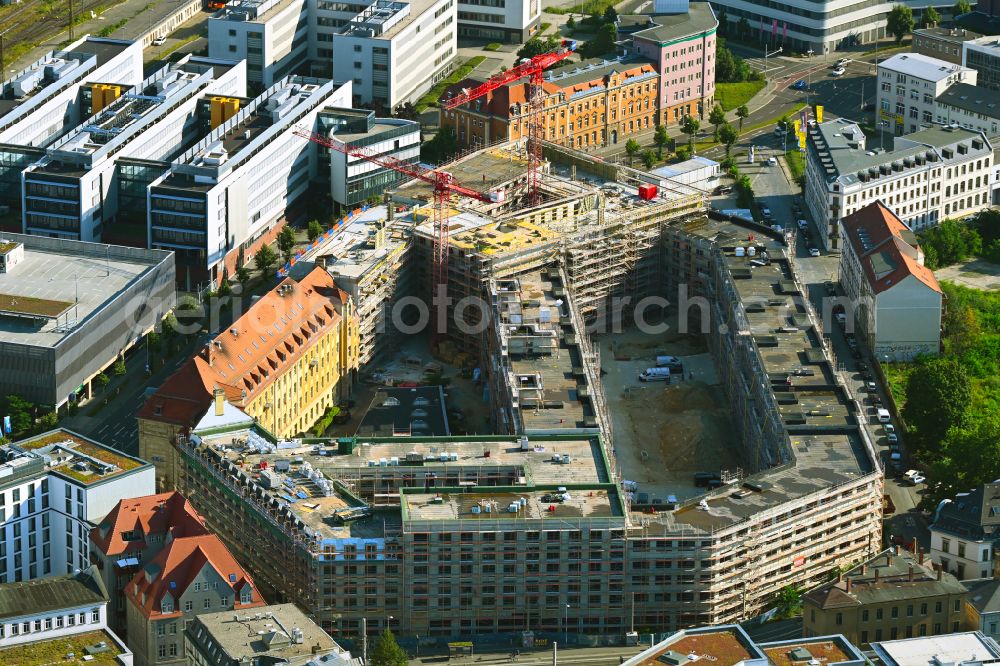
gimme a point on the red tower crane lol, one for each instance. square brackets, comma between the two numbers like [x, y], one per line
[444, 185]
[533, 69]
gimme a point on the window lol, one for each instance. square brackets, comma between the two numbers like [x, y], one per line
[188, 606]
[95, 615]
[839, 619]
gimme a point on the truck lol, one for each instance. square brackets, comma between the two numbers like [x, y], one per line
[655, 375]
[671, 362]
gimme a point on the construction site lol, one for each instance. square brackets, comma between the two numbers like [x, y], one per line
[598, 494]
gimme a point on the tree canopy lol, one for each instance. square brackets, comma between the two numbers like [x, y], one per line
[931, 17]
[386, 651]
[900, 22]
[728, 136]
[690, 126]
[938, 394]
[961, 7]
[265, 258]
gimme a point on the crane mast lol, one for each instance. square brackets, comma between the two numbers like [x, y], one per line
[533, 69]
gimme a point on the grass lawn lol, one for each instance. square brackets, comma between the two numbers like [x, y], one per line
[589, 7]
[732, 95]
[494, 46]
[432, 97]
[796, 163]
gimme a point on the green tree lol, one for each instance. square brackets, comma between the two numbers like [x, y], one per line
[314, 230]
[744, 26]
[961, 328]
[950, 242]
[119, 369]
[265, 258]
[243, 276]
[961, 7]
[728, 135]
[602, 43]
[386, 651]
[717, 117]
[610, 14]
[661, 139]
[225, 288]
[931, 17]
[900, 22]
[690, 126]
[102, 380]
[20, 411]
[938, 392]
[49, 421]
[648, 159]
[442, 147]
[571, 24]
[632, 147]
[286, 242]
[723, 19]
[742, 112]
[537, 46]
[788, 600]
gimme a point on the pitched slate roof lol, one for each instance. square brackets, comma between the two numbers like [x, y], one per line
[974, 514]
[43, 595]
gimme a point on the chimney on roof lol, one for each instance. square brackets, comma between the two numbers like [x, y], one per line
[220, 399]
[939, 572]
[864, 569]
[915, 545]
[909, 574]
[848, 589]
[876, 574]
[920, 557]
[206, 353]
[899, 551]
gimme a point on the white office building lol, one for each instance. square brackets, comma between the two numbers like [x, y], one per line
[896, 298]
[909, 84]
[393, 52]
[983, 55]
[54, 488]
[71, 191]
[924, 178]
[54, 94]
[511, 21]
[803, 25]
[272, 35]
[374, 45]
[230, 193]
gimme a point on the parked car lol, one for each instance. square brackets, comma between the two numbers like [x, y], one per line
[814, 252]
[839, 71]
[766, 212]
[841, 63]
[772, 161]
[918, 479]
[893, 439]
[724, 189]
[889, 429]
[159, 41]
[802, 224]
[872, 387]
[800, 84]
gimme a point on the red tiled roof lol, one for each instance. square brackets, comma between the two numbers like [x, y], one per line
[256, 349]
[498, 102]
[886, 255]
[176, 566]
[165, 513]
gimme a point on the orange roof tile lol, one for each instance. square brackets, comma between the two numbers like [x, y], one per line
[889, 245]
[256, 349]
[175, 568]
[153, 514]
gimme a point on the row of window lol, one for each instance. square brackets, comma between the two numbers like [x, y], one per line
[49, 623]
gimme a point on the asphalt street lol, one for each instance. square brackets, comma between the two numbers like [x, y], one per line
[774, 190]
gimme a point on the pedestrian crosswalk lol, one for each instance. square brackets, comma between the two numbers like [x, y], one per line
[772, 65]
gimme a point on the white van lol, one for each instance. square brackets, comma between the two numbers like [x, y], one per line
[883, 415]
[655, 375]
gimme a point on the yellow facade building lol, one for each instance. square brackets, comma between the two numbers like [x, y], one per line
[288, 359]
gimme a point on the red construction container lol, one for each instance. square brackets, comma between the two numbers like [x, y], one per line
[647, 192]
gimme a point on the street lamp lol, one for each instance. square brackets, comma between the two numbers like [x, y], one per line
[566, 626]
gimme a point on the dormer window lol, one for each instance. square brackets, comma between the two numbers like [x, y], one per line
[246, 595]
[167, 605]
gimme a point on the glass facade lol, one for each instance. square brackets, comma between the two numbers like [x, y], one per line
[14, 160]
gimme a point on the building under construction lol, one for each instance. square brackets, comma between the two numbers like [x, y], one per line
[536, 530]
